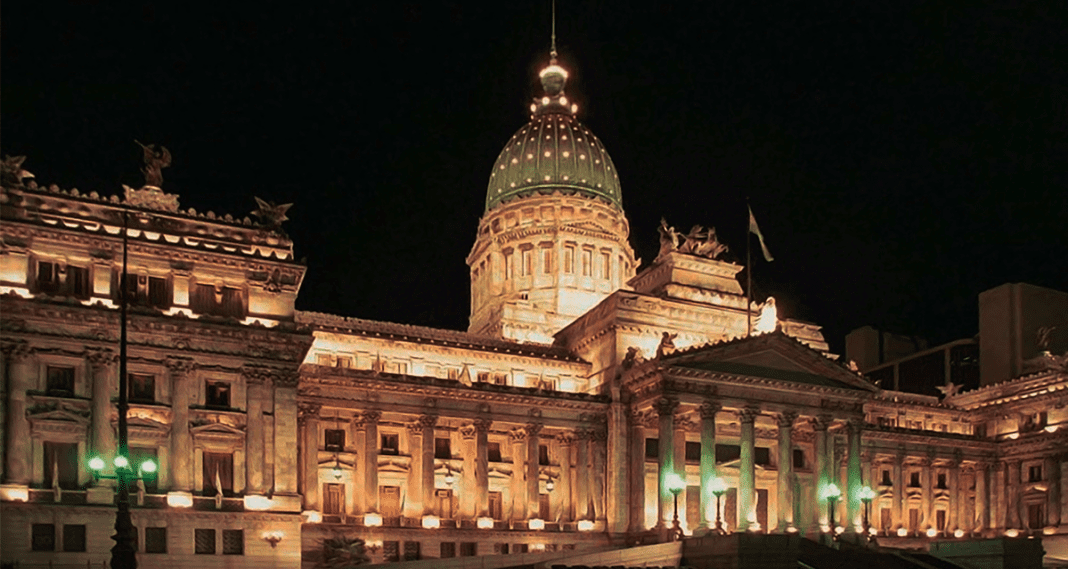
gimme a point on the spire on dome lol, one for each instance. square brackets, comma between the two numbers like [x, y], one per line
[552, 48]
[553, 79]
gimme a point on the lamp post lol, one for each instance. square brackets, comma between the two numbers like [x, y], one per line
[675, 484]
[718, 488]
[831, 493]
[124, 553]
[866, 496]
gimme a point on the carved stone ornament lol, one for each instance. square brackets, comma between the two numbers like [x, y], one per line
[151, 197]
[699, 241]
[156, 159]
[533, 429]
[634, 357]
[427, 421]
[11, 171]
[18, 351]
[565, 439]
[709, 409]
[748, 415]
[517, 435]
[308, 411]
[467, 432]
[180, 366]
[482, 424]
[100, 358]
[667, 345]
[665, 406]
[270, 214]
[371, 417]
[786, 419]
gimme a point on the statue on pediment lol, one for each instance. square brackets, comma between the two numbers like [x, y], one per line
[270, 214]
[768, 320]
[11, 172]
[667, 345]
[669, 238]
[699, 241]
[156, 159]
[634, 357]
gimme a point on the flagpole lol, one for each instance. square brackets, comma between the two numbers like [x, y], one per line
[748, 273]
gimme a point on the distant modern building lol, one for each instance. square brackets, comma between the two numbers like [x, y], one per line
[559, 422]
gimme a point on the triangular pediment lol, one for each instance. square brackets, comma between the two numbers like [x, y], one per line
[773, 356]
[216, 429]
[59, 416]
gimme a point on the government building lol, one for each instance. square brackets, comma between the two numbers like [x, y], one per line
[591, 401]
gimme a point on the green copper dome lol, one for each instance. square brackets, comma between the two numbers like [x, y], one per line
[553, 152]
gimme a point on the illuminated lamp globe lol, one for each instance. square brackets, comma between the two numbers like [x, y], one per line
[149, 466]
[958, 533]
[122, 462]
[932, 532]
[674, 483]
[830, 492]
[717, 486]
[96, 463]
[902, 532]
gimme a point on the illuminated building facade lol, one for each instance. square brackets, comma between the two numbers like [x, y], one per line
[554, 424]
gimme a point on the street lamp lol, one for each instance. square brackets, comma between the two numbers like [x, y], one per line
[831, 493]
[866, 496]
[675, 485]
[718, 488]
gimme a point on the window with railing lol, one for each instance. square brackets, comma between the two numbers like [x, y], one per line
[142, 388]
[217, 394]
[335, 440]
[61, 279]
[218, 301]
[145, 290]
[59, 381]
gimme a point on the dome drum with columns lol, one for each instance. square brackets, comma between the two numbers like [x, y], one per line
[553, 240]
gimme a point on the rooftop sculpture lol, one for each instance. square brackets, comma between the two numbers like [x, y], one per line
[699, 241]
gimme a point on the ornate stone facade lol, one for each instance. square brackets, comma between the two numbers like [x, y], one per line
[274, 429]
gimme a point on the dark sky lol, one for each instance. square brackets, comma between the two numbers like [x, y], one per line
[900, 156]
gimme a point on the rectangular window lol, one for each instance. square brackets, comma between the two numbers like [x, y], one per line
[335, 439]
[218, 466]
[391, 551]
[886, 518]
[204, 541]
[217, 394]
[727, 453]
[547, 261]
[493, 452]
[389, 501]
[587, 262]
[412, 551]
[914, 480]
[468, 549]
[390, 444]
[232, 303]
[569, 259]
[495, 505]
[47, 277]
[155, 540]
[157, 292]
[500, 549]
[448, 549]
[543, 455]
[142, 388]
[446, 503]
[500, 379]
[442, 448]
[543, 506]
[799, 458]
[606, 266]
[344, 362]
[762, 456]
[693, 451]
[528, 262]
[78, 281]
[233, 542]
[914, 519]
[1034, 473]
[940, 520]
[333, 498]
[483, 377]
[1036, 516]
[652, 448]
[74, 538]
[886, 478]
[941, 481]
[60, 381]
[61, 465]
[43, 537]
[508, 265]
[138, 456]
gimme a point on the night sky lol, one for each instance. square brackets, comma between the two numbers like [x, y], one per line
[901, 157]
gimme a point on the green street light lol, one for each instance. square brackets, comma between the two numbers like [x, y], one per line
[121, 461]
[866, 496]
[718, 487]
[675, 484]
[831, 493]
[149, 467]
[96, 464]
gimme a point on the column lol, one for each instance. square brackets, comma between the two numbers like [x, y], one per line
[370, 461]
[426, 459]
[20, 369]
[784, 484]
[665, 409]
[359, 497]
[898, 503]
[708, 412]
[482, 427]
[564, 443]
[1012, 500]
[982, 508]
[469, 487]
[954, 496]
[309, 418]
[823, 467]
[285, 433]
[1064, 487]
[414, 500]
[582, 475]
[997, 495]
[181, 372]
[747, 470]
[681, 426]
[518, 488]
[533, 472]
[254, 447]
[102, 364]
[853, 512]
[598, 451]
[927, 484]
[1052, 469]
[617, 497]
[636, 472]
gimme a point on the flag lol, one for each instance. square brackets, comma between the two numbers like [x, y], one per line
[754, 228]
[218, 484]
